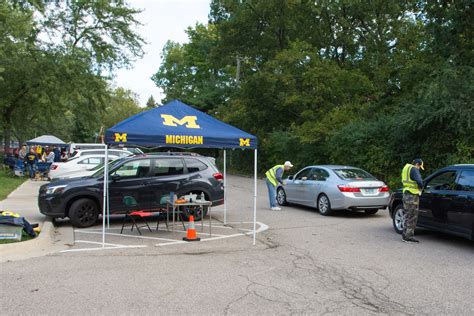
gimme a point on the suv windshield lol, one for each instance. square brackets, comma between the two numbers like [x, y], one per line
[353, 174]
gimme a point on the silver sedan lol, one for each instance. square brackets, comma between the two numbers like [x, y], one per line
[331, 187]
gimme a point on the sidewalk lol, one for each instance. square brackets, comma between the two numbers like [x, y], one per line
[24, 200]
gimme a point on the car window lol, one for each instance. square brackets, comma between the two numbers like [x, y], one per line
[319, 174]
[303, 174]
[466, 181]
[83, 161]
[168, 167]
[134, 169]
[96, 161]
[194, 165]
[443, 181]
[353, 174]
[123, 153]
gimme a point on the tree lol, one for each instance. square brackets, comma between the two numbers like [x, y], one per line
[189, 72]
[151, 103]
[122, 104]
[52, 59]
[366, 83]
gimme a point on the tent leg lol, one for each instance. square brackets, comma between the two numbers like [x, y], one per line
[225, 190]
[106, 162]
[104, 202]
[255, 199]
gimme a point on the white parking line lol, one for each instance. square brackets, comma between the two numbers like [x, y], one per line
[262, 227]
[98, 243]
[124, 235]
[103, 248]
[168, 242]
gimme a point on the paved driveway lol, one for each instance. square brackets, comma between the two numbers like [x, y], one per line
[304, 263]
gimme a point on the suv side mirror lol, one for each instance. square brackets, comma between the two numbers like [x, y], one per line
[115, 177]
[290, 177]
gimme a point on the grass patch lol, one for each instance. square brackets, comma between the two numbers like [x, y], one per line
[9, 182]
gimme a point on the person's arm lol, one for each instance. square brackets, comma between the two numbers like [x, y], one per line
[416, 176]
[278, 174]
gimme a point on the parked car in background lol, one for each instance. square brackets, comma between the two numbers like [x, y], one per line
[87, 172]
[86, 146]
[331, 187]
[61, 169]
[111, 152]
[147, 178]
[446, 203]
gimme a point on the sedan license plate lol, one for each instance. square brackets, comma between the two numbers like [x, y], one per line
[369, 191]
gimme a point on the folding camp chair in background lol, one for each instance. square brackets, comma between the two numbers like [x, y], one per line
[135, 215]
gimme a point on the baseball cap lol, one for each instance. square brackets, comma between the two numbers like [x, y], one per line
[420, 162]
[288, 164]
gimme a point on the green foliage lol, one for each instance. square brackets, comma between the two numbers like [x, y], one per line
[122, 104]
[52, 60]
[190, 72]
[151, 103]
[372, 84]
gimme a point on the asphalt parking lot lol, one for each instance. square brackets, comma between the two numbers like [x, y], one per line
[303, 263]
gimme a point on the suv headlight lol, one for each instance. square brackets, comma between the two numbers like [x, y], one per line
[55, 189]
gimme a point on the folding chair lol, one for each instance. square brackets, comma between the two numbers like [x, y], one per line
[135, 215]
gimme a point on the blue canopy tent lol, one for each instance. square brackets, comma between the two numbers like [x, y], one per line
[176, 124]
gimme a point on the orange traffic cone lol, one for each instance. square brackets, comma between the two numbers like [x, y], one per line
[191, 232]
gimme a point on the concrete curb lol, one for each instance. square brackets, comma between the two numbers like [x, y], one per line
[51, 240]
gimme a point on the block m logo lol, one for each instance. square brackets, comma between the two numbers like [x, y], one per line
[187, 121]
[121, 137]
[244, 142]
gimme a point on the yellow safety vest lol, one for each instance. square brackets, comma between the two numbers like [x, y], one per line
[271, 174]
[408, 183]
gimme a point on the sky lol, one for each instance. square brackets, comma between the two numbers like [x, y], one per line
[162, 20]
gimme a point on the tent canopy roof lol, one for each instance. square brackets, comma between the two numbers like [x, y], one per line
[176, 124]
[46, 140]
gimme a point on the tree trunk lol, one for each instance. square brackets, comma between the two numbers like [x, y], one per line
[7, 130]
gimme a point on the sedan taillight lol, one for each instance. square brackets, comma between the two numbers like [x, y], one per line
[344, 188]
[384, 189]
[218, 176]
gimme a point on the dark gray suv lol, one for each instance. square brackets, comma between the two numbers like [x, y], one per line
[148, 178]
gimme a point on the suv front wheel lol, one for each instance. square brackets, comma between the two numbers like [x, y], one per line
[83, 213]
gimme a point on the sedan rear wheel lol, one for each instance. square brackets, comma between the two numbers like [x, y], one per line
[399, 216]
[324, 205]
[281, 197]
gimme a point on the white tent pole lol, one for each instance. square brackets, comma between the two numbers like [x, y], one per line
[106, 166]
[104, 202]
[225, 190]
[255, 199]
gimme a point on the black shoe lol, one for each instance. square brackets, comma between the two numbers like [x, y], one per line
[409, 239]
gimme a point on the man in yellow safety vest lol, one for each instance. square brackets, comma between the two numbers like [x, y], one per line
[412, 188]
[274, 175]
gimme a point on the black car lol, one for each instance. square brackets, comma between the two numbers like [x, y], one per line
[446, 204]
[148, 178]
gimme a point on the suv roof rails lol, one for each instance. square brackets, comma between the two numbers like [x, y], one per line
[174, 153]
